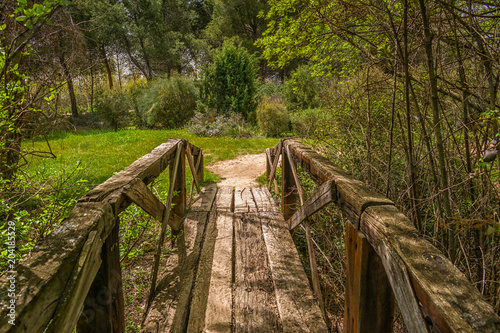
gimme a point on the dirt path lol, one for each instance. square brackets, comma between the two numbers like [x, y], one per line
[243, 171]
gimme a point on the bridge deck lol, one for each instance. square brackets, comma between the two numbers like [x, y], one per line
[234, 269]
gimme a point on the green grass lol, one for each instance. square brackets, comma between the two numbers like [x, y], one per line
[100, 154]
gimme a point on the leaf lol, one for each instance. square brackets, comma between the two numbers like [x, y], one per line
[21, 18]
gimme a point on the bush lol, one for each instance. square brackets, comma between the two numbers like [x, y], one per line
[211, 124]
[312, 123]
[229, 83]
[113, 106]
[168, 102]
[272, 117]
[301, 90]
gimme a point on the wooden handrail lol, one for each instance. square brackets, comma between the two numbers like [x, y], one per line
[384, 249]
[82, 253]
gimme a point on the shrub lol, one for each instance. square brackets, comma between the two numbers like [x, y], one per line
[113, 106]
[168, 102]
[312, 123]
[301, 90]
[229, 83]
[212, 124]
[272, 117]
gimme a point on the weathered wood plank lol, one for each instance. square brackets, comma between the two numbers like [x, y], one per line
[420, 274]
[146, 168]
[324, 195]
[192, 167]
[205, 199]
[298, 309]
[254, 299]
[103, 307]
[369, 302]
[142, 196]
[275, 162]
[264, 201]
[353, 197]
[42, 278]
[211, 306]
[170, 307]
[288, 187]
[243, 200]
[179, 194]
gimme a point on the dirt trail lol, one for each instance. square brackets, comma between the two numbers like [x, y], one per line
[243, 171]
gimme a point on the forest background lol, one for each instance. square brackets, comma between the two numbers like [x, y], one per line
[403, 95]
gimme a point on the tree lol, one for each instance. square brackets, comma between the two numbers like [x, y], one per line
[229, 83]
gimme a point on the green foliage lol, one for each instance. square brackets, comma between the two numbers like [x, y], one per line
[229, 83]
[210, 124]
[168, 102]
[301, 90]
[113, 105]
[272, 117]
[312, 123]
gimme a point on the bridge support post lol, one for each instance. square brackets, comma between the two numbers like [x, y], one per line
[369, 301]
[288, 187]
[103, 308]
[179, 199]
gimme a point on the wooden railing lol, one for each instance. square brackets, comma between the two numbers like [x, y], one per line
[386, 258]
[73, 278]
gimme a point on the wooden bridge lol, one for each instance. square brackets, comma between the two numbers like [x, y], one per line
[235, 266]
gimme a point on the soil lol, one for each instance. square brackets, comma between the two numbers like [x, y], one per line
[243, 171]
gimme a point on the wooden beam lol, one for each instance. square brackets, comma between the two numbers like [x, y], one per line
[307, 229]
[431, 292]
[369, 302]
[164, 223]
[179, 192]
[275, 163]
[288, 188]
[142, 196]
[324, 195]
[192, 167]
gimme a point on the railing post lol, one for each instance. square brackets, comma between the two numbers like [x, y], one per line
[199, 174]
[103, 308]
[369, 301]
[179, 199]
[288, 187]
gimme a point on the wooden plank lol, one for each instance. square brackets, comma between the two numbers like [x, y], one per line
[255, 307]
[264, 201]
[103, 307]
[170, 307]
[275, 163]
[192, 166]
[353, 197]
[369, 302]
[288, 188]
[179, 194]
[420, 274]
[243, 200]
[42, 278]
[204, 201]
[165, 219]
[324, 195]
[146, 168]
[142, 196]
[298, 309]
[211, 305]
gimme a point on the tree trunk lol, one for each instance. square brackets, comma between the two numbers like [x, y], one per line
[104, 56]
[436, 118]
[71, 90]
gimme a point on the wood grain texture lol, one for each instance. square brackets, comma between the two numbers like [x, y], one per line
[369, 303]
[255, 307]
[170, 307]
[421, 275]
[205, 199]
[298, 309]
[142, 196]
[43, 277]
[211, 306]
[243, 200]
[324, 195]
